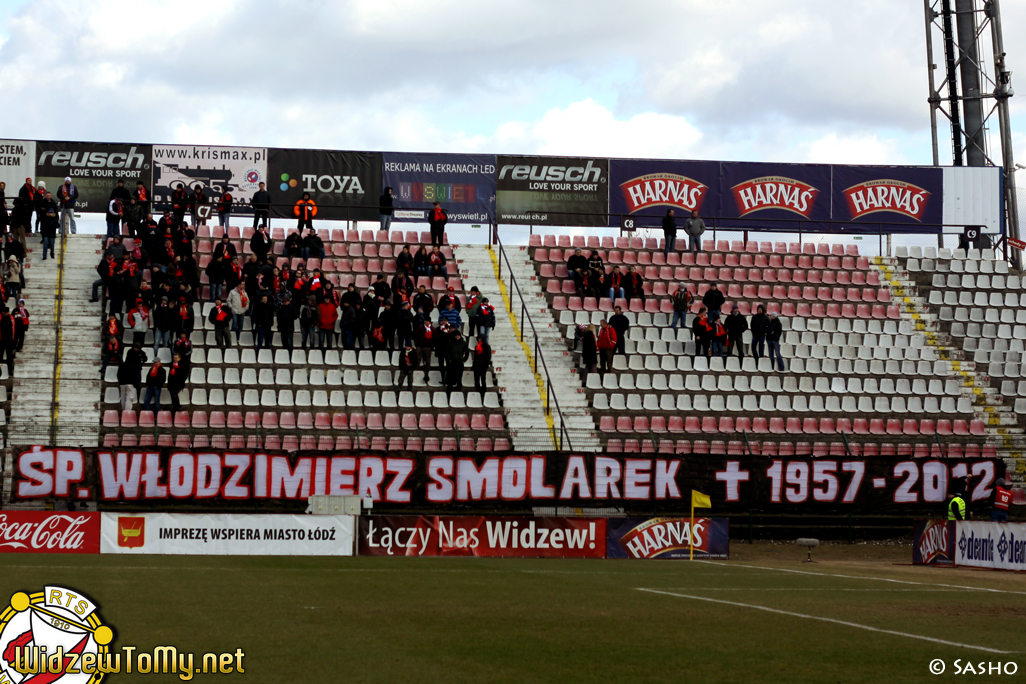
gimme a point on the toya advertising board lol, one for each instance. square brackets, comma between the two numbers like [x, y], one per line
[933, 542]
[49, 532]
[646, 189]
[485, 536]
[1001, 546]
[238, 170]
[667, 537]
[228, 535]
[889, 194]
[463, 183]
[94, 168]
[399, 480]
[782, 193]
[554, 191]
[345, 185]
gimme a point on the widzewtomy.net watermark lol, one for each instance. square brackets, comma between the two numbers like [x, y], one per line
[131, 660]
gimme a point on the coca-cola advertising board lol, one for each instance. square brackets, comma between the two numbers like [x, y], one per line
[486, 536]
[49, 532]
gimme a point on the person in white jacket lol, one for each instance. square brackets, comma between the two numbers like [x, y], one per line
[240, 304]
[139, 322]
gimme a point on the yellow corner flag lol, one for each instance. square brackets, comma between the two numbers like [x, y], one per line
[698, 500]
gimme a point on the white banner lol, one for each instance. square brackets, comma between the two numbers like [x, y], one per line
[990, 545]
[17, 162]
[228, 535]
[236, 169]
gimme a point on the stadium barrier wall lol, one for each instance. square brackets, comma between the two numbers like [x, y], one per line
[471, 482]
[933, 542]
[997, 546]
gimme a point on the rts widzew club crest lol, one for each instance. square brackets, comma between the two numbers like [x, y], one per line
[48, 636]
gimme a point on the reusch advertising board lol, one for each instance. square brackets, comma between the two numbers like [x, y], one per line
[1001, 546]
[555, 191]
[487, 536]
[933, 542]
[464, 184]
[94, 168]
[345, 185]
[228, 535]
[667, 538]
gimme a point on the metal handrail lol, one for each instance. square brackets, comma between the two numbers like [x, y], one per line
[564, 434]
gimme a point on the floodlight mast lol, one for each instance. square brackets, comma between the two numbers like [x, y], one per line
[968, 95]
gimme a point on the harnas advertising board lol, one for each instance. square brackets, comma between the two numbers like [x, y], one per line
[464, 184]
[95, 168]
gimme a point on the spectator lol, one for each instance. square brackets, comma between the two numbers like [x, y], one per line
[50, 221]
[139, 321]
[8, 338]
[198, 198]
[239, 303]
[736, 325]
[455, 356]
[176, 377]
[615, 283]
[186, 318]
[634, 286]
[760, 322]
[21, 315]
[482, 360]
[451, 316]
[260, 244]
[404, 261]
[261, 203]
[13, 248]
[309, 322]
[221, 317]
[719, 338]
[39, 204]
[774, 330]
[21, 219]
[263, 321]
[142, 197]
[595, 262]
[135, 357]
[361, 324]
[695, 228]
[682, 301]
[381, 289]
[115, 214]
[385, 209]
[110, 353]
[134, 215]
[425, 342]
[450, 298]
[621, 325]
[179, 203]
[120, 192]
[606, 345]
[163, 325]
[405, 324]
[589, 354]
[669, 233]
[294, 245]
[313, 245]
[485, 320]
[702, 331]
[576, 262]
[287, 315]
[347, 326]
[224, 208]
[421, 262]
[4, 218]
[67, 196]
[154, 384]
[305, 210]
[183, 348]
[588, 284]
[387, 320]
[327, 316]
[713, 301]
[350, 297]
[128, 381]
[407, 364]
[111, 328]
[437, 262]
[220, 265]
[437, 218]
[12, 276]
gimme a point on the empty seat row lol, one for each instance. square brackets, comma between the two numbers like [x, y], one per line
[1006, 317]
[979, 282]
[957, 266]
[309, 442]
[944, 253]
[981, 299]
[322, 398]
[815, 449]
[351, 235]
[637, 242]
[831, 325]
[270, 420]
[792, 426]
[782, 403]
[788, 308]
[707, 261]
[776, 384]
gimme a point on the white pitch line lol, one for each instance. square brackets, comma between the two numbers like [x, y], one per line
[875, 591]
[831, 620]
[865, 577]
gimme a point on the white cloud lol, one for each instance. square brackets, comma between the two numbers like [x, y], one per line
[863, 148]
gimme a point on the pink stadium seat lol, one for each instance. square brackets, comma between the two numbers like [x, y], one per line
[692, 425]
[877, 426]
[641, 424]
[709, 424]
[759, 425]
[623, 424]
[675, 424]
[776, 426]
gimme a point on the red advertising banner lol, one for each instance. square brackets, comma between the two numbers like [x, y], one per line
[485, 536]
[49, 532]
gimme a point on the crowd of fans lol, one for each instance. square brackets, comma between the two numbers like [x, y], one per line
[152, 286]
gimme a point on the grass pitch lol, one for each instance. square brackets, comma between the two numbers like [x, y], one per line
[492, 620]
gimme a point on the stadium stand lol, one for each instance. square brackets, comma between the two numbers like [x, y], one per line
[875, 362]
[310, 398]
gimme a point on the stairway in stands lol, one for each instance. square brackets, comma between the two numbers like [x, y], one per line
[77, 385]
[566, 382]
[513, 372]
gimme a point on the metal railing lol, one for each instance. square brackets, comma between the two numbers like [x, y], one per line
[563, 435]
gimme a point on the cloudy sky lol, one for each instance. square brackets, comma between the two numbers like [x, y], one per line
[788, 80]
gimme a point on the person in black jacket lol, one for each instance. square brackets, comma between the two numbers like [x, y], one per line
[633, 286]
[287, 315]
[176, 377]
[736, 325]
[759, 323]
[197, 198]
[385, 207]
[702, 330]
[482, 360]
[669, 233]
[773, 332]
[261, 203]
[407, 364]
[260, 243]
[154, 380]
[313, 245]
[50, 222]
[713, 301]
[621, 325]
[263, 321]
[577, 262]
[128, 382]
[589, 352]
[437, 218]
[8, 338]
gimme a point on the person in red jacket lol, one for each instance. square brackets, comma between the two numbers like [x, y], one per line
[21, 315]
[224, 208]
[326, 324]
[606, 345]
[1002, 499]
[305, 210]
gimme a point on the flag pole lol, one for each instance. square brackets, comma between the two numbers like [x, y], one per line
[691, 530]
